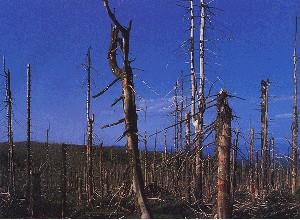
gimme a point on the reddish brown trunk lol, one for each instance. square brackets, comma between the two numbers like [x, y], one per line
[223, 144]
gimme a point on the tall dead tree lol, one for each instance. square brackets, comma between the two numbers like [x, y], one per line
[264, 135]
[223, 145]
[28, 145]
[295, 118]
[89, 145]
[120, 36]
[11, 150]
[197, 119]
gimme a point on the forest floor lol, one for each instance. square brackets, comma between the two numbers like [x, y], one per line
[162, 205]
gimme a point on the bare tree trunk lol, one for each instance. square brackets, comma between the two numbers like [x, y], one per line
[28, 145]
[89, 146]
[251, 165]
[154, 172]
[223, 144]
[264, 135]
[272, 164]
[145, 161]
[11, 152]
[188, 153]
[295, 120]
[128, 105]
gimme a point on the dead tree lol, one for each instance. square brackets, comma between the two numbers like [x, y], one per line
[256, 180]
[223, 145]
[11, 150]
[188, 152]
[154, 171]
[120, 36]
[197, 119]
[47, 171]
[272, 162]
[295, 119]
[264, 135]
[89, 145]
[251, 164]
[176, 111]
[145, 160]
[188, 131]
[28, 145]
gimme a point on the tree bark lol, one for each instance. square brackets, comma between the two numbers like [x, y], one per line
[129, 107]
[223, 144]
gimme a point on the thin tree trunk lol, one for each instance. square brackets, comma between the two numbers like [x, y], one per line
[295, 120]
[251, 165]
[11, 153]
[89, 146]
[28, 145]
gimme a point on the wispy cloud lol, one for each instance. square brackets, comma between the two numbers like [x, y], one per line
[161, 105]
[282, 98]
[283, 116]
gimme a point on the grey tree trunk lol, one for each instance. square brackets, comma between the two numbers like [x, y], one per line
[295, 120]
[11, 152]
[28, 145]
[89, 146]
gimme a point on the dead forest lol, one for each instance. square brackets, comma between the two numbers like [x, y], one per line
[138, 180]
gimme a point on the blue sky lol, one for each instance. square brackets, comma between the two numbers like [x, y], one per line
[247, 41]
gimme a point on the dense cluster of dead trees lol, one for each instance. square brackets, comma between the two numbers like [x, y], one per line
[88, 178]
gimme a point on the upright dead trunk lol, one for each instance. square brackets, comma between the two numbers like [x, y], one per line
[295, 120]
[176, 111]
[197, 119]
[145, 160]
[28, 145]
[47, 171]
[188, 153]
[272, 163]
[251, 164]
[154, 171]
[120, 39]
[223, 144]
[11, 150]
[264, 135]
[89, 146]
